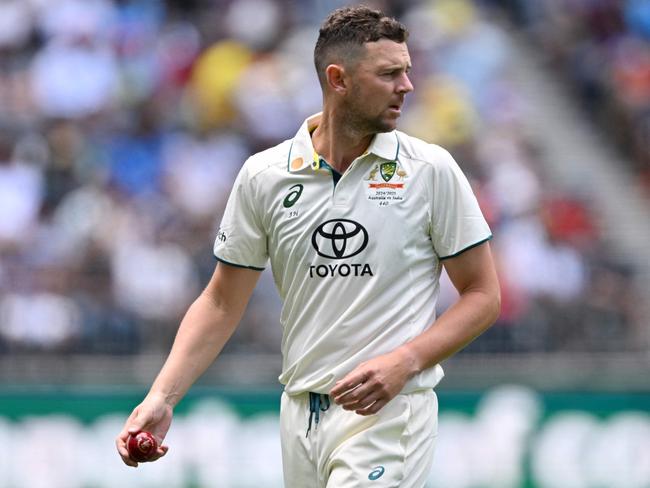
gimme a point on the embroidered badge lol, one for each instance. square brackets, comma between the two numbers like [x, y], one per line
[390, 189]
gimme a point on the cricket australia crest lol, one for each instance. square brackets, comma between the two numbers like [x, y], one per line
[391, 189]
[387, 170]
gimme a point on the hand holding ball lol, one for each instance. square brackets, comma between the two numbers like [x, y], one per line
[142, 446]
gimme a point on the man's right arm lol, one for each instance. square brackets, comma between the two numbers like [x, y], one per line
[206, 327]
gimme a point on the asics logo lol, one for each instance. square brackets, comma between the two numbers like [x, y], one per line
[293, 195]
[376, 473]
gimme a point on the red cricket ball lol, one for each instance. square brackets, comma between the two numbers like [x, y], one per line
[142, 446]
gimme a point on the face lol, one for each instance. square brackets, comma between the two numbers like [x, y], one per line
[377, 87]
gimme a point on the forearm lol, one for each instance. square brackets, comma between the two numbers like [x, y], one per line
[369, 386]
[459, 325]
[206, 327]
[203, 332]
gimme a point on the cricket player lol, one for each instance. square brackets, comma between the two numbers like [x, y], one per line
[357, 220]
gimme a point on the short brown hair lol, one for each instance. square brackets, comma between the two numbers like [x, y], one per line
[347, 29]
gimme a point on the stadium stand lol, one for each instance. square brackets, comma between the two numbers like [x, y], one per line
[124, 124]
[602, 49]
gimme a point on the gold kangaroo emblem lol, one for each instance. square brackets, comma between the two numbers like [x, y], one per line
[373, 174]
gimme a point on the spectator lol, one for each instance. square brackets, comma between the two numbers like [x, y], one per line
[127, 121]
[21, 195]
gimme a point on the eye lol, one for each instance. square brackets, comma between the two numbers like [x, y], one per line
[391, 74]
[395, 72]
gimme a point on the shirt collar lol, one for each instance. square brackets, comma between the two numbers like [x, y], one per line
[301, 153]
[385, 145]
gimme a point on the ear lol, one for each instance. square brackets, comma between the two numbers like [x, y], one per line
[336, 78]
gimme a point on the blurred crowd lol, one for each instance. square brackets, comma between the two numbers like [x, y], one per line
[124, 122]
[603, 48]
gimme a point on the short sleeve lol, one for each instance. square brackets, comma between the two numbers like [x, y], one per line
[457, 223]
[241, 239]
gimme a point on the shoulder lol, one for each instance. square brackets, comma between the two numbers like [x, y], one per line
[268, 159]
[421, 152]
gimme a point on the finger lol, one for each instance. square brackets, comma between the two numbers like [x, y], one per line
[123, 435]
[124, 454]
[355, 395]
[162, 450]
[362, 402]
[135, 422]
[371, 409]
[348, 383]
[131, 426]
[121, 446]
[134, 428]
[129, 422]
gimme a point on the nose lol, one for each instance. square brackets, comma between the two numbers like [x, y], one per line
[405, 85]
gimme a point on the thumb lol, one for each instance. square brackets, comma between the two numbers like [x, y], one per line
[136, 424]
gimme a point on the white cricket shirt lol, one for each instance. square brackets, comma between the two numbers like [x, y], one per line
[356, 261]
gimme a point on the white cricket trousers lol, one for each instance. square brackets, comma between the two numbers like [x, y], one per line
[324, 446]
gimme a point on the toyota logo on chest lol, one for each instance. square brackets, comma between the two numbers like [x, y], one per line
[339, 239]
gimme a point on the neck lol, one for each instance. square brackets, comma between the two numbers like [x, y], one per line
[337, 142]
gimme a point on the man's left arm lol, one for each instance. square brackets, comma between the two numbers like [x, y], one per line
[372, 384]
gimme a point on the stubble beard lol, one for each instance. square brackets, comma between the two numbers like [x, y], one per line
[359, 121]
